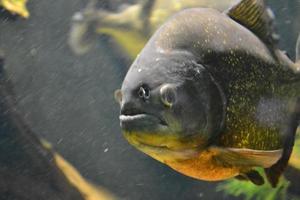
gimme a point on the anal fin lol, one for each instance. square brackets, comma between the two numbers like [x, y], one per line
[255, 177]
[252, 176]
[274, 172]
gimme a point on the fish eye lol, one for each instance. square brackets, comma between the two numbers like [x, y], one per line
[168, 95]
[118, 95]
[144, 92]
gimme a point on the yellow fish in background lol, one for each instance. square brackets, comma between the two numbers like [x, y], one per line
[295, 157]
[132, 25]
[17, 7]
[88, 190]
[30, 168]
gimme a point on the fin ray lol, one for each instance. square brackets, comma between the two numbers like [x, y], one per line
[255, 177]
[247, 157]
[257, 17]
[252, 176]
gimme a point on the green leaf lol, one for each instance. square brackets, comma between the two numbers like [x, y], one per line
[250, 191]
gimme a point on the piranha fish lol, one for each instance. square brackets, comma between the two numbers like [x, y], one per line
[213, 97]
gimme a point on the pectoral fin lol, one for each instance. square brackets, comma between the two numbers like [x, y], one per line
[247, 157]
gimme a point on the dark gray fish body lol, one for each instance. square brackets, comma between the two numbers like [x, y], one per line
[220, 95]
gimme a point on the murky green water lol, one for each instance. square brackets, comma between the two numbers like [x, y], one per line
[68, 99]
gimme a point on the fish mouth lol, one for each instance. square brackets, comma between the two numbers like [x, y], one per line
[152, 146]
[142, 122]
[163, 153]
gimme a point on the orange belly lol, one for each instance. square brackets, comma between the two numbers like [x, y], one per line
[204, 167]
[199, 165]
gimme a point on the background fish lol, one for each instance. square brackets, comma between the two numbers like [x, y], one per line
[30, 167]
[212, 96]
[132, 25]
[15, 7]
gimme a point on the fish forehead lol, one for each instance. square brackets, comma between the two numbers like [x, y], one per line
[194, 34]
[205, 31]
[155, 68]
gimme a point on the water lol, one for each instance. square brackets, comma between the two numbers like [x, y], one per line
[68, 100]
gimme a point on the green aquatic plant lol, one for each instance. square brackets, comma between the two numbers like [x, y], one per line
[250, 191]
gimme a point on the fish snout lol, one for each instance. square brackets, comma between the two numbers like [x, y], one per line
[129, 108]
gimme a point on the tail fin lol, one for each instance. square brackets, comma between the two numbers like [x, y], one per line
[83, 34]
[147, 7]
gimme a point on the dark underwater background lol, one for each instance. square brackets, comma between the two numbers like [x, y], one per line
[68, 99]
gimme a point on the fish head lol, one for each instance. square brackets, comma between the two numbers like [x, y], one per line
[166, 104]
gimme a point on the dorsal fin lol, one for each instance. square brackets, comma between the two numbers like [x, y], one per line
[257, 17]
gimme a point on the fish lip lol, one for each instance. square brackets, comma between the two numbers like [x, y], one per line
[141, 116]
[140, 143]
[159, 147]
[141, 122]
[176, 154]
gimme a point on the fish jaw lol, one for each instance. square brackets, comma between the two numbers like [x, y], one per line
[142, 122]
[194, 162]
[162, 153]
[165, 145]
[190, 160]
